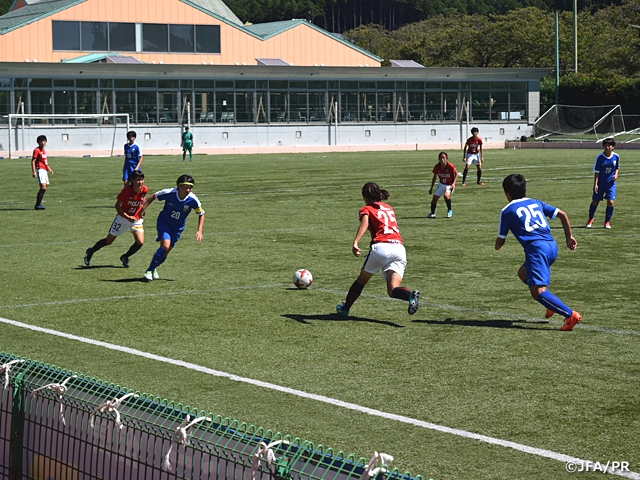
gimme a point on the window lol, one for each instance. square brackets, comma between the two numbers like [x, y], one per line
[66, 35]
[122, 37]
[181, 38]
[207, 39]
[94, 36]
[155, 37]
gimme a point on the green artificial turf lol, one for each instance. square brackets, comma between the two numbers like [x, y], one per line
[477, 356]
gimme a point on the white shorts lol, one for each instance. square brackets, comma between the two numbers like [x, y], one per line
[385, 256]
[42, 176]
[442, 189]
[472, 158]
[121, 225]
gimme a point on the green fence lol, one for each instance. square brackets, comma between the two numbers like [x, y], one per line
[59, 425]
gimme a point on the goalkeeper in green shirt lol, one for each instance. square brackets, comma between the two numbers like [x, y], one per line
[187, 144]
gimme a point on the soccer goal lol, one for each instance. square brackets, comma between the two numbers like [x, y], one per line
[19, 122]
[580, 123]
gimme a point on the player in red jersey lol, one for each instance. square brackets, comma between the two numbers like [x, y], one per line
[448, 176]
[128, 205]
[473, 154]
[40, 169]
[386, 251]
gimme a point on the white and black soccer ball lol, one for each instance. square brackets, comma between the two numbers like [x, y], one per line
[302, 278]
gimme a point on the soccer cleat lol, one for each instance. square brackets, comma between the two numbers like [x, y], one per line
[343, 312]
[450, 214]
[607, 225]
[589, 223]
[481, 184]
[549, 313]
[464, 184]
[431, 215]
[155, 275]
[148, 276]
[38, 207]
[571, 321]
[125, 261]
[87, 257]
[414, 300]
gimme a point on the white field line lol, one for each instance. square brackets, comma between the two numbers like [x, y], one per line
[321, 398]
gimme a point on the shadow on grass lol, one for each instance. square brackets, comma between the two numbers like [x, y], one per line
[334, 317]
[137, 279]
[99, 206]
[521, 324]
[15, 209]
[91, 267]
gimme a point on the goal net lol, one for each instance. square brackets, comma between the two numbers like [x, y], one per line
[19, 123]
[579, 123]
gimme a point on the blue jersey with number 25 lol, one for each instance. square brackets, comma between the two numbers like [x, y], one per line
[525, 217]
[175, 211]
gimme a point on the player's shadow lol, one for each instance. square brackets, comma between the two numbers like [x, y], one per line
[137, 279]
[518, 324]
[109, 207]
[334, 317]
[91, 267]
[15, 209]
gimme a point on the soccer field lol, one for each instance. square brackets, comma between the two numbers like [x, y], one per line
[477, 357]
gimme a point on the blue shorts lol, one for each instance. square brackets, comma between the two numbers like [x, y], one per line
[167, 232]
[539, 256]
[608, 193]
[128, 170]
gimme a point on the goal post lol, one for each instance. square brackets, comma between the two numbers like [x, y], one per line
[29, 120]
[580, 123]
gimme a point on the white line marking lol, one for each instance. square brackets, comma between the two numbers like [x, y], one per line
[321, 398]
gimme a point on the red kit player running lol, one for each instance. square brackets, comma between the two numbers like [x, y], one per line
[473, 154]
[386, 251]
[447, 176]
[128, 219]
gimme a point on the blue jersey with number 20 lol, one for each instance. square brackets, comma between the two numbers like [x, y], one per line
[525, 217]
[175, 211]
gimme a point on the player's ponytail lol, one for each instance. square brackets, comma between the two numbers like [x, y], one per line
[372, 192]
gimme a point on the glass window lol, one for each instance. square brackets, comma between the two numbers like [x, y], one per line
[41, 101]
[450, 106]
[125, 83]
[186, 83]
[416, 85]
[433, 107]
[367, 107]
[333, 97]
[500, 105]
[181, 38]
[481, 106]
[261, 84]
[298, 108]
[5, 107]
[126, 103]
[278, 106]
[204, 84]
[19, 97]
[63, 83]
[207, 39]
[317, 106]
[278, 84]
[87, 83]
[5, 82]
[499, 85]
[450, 86]
[224, 106]
[262, 105]
[416, 108]
[186, 102]
[334, 85]
[349, 106]
[385, 107]
[167, 83]
[64, 103]
[401, 113]
[86, 104]
[297, 84]
[245, 112]
[66, 35]
[368, 85]
[108, 83]
[349, 85]
[94, 36]
[245, 84]
[435, 85]
[386, 85]
[147, 107]
[146, 84]
[168, 107]
[155, 37]
[401, 85]
[518, 105]
[106, 104]
[480, 85]
[122, 37]
[204, 107]
[40, 83]
[224, 84]
[518, 85]
[318, 85]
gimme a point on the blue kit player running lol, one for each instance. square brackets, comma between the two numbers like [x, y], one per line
[605, 175]
[525, 218]
[132, 157]
[178, 203]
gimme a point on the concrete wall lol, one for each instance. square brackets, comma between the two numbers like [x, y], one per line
[210, 139]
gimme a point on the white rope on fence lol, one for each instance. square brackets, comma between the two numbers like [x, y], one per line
[60, 389]
[264, 452]
[370, 472]
[112, 406]
[5, 369]
[181, 437]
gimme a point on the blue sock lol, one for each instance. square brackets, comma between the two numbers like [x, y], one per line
[158, 259]
[608, 213]
[553, 303]
[592, 211]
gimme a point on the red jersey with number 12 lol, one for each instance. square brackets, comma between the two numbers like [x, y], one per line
[473, 144]
[447, 174]
[382, 223]
[131, 201]
[41, 158]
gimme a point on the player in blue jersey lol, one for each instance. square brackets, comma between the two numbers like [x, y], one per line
[132, 157]
[525, 218]
[178, 203]
[605, 175]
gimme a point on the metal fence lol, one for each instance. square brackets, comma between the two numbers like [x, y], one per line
[59, 425]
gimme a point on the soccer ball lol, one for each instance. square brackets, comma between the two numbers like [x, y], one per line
[302, 278]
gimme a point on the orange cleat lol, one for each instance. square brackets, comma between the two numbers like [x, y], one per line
[481, 184]
[571, 321]
[549, 313]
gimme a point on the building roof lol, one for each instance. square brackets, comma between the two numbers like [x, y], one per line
[110, 57]
[216, 8]
[405, 64]
[272, 62]
[33, 12]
